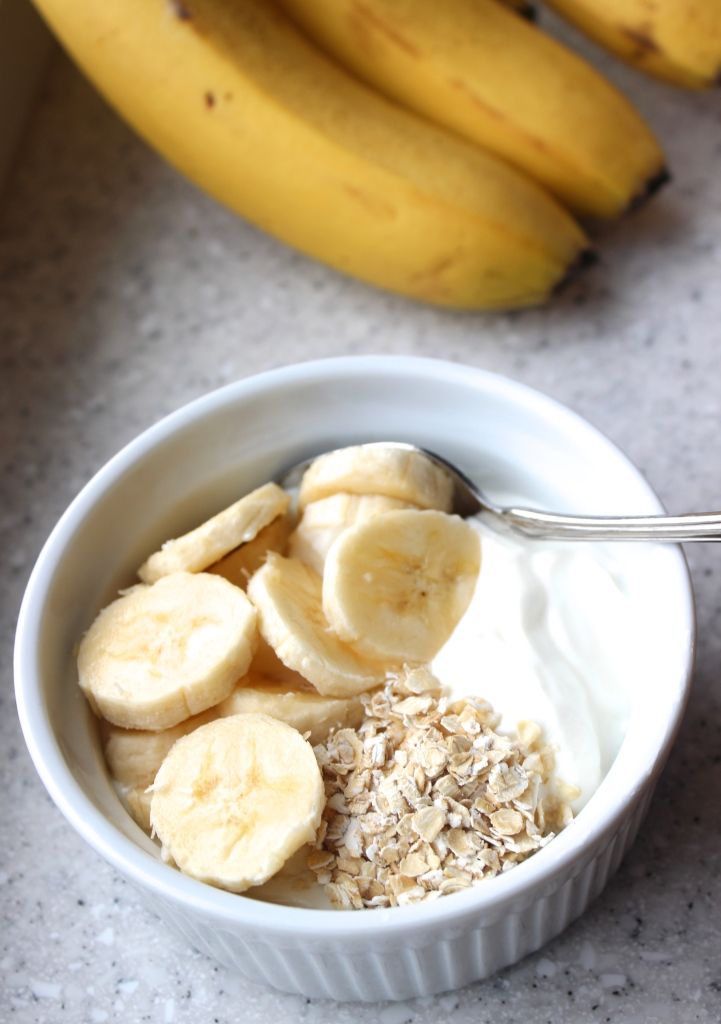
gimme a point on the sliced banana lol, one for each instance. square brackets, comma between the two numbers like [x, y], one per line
[161, 653]
[235, 799]
[137, 803]
[304, 710]
[238, 524]
[365, 469]
[324, 520]
[238, 566]
[287, 595]
[134, 755]
[396, 586]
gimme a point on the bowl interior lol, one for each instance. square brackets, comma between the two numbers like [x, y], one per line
[513, 441]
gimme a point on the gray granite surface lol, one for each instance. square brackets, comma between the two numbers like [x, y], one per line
[124, 293]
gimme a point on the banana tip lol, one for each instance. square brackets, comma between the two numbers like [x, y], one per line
[586, 258]
[654, 183]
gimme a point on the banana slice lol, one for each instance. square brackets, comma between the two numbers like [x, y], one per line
[397, 585]
[394, 472]
[238, 566]
[134, 755]
[287, 595]
[235, 799]
[238, 524]
[159, 654]
[324, 520]
[304, 710]
[136, 800]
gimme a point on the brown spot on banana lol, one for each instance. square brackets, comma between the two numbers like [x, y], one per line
[535, 141]
[368, 22]
[436, 270]
[642, 39]
[373, 204]
[179, 9]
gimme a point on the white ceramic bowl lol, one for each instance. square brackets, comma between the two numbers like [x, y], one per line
[201, 457]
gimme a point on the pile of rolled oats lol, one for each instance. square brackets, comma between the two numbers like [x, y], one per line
[425, 797]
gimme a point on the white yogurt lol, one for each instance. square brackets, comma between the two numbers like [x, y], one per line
[549, 636]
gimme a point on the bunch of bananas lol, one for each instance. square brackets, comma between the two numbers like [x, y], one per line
[439, 150]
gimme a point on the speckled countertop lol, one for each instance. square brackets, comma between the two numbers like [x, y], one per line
[123, 294]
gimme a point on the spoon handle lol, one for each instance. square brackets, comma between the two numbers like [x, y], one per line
[696, 526]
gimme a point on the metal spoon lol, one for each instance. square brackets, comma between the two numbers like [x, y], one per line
[469, 500]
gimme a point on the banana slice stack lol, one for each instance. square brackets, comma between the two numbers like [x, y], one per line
[258, 633]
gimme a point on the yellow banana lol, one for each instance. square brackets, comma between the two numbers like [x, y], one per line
[676, 40]
[477, 69]
[236, 97]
